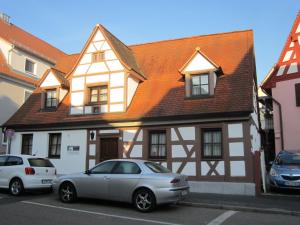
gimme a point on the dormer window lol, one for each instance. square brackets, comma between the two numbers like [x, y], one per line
[98, 95]
[51, 98]
[200, 85]
[29, 66]
[98, 57]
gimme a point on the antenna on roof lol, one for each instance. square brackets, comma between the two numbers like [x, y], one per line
[4, 17]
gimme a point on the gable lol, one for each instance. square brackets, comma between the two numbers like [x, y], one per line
[50, 81]
[198, 62]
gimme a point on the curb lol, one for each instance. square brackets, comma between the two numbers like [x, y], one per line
[241, 208]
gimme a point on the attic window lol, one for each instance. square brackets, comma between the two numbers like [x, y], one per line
[29, 66]
[200, 85]
[98, 57]
[51, 98]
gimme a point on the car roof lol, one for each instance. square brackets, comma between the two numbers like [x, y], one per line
[128, 160]
[22, 156]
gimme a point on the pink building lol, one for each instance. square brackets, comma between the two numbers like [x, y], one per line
[283, 84]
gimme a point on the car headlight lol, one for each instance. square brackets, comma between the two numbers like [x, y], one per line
[273, 172]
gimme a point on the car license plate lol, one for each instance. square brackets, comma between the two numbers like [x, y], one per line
[288, 183]
[185, 192]
[46, 181]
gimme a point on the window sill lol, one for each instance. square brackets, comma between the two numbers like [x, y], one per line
[199, 97]
[53, 109]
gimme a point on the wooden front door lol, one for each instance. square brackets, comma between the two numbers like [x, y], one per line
[108, 149]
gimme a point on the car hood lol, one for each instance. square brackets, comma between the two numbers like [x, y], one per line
[290, 169]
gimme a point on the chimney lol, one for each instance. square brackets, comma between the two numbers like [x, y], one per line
[4, 17]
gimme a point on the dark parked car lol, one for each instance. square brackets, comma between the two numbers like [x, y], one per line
[285, 171]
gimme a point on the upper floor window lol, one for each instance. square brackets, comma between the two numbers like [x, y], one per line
[158, 144]
[212, 143]
[200, 85]
[297, 93]
[98, 95]
[29, 66]
[98, 57]
[51, 98]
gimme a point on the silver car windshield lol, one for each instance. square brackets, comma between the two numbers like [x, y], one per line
[156, 168]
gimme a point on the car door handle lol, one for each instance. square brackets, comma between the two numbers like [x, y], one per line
[106, 178]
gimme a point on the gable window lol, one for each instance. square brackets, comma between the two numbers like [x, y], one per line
[51, 98]
[297, 93]
[27, 144]
[158, 144]
[98, 57]
[54, 145]
[29, 66]
[212, 143]
[200, 85]
[98, 95]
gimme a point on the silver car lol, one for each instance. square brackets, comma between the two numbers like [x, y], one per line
[143, 183]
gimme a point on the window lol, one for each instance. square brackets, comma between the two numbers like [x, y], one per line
[14, 161]
[158, 145]
[54, 145]
[4, 139]
[29, 66]
[27, 95]
[297, 92]
[104, 168]
[200, 85]
[212, 143]
[156, 168]
[51, 98]
[40, 162]
[27, 144]
[3, 160]
[98, 57]
[127, 168]
[98, 95]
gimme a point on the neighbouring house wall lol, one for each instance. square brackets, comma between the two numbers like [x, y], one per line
[17, 59]
[284, 93]
[70, 161]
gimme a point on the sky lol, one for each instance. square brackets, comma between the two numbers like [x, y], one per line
[67, 24]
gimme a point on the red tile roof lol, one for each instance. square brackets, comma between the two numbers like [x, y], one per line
[162, 95]
[29, 42]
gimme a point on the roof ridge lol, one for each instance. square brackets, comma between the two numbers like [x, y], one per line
[190, 37]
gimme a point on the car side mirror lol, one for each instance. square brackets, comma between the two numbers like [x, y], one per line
[88, 172]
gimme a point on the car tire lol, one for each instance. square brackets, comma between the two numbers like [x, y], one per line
[16, 187]
[144, 200]
[67, 193]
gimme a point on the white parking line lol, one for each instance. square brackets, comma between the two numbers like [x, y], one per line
[101, 214]
[220, 219]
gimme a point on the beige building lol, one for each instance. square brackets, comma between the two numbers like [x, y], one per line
[23, 60]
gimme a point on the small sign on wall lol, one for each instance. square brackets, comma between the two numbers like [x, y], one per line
[72, 148]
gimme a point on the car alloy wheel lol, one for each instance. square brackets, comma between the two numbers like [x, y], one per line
[144, 200]
[16, 187]
[67, 193]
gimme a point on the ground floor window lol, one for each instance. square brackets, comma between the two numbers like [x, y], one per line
[212, 143]
[54, 145]
[157, 144]
[27, 144]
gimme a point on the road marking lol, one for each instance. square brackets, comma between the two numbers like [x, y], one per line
[220, 219]
[101, 214]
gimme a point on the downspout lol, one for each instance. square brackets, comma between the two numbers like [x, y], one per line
[280, 118]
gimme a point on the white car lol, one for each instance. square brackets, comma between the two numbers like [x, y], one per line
[23, 172]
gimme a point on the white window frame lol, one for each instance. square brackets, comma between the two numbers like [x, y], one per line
[2, 139]
[34, 67]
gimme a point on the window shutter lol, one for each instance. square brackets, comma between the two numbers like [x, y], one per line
[297, 93]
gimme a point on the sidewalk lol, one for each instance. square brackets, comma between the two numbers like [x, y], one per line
[266, 203]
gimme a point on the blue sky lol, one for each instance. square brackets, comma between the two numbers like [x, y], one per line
[67, 24]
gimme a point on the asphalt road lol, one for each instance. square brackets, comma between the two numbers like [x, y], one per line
[46, 209]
